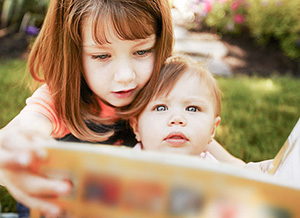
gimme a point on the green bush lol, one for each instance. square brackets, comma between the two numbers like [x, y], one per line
[12, 13]
[266, 20]
[274, 19]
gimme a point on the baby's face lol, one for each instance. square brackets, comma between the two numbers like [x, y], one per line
[182, 122]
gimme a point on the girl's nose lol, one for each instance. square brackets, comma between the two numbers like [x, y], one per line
[124, 73]
[177, 120]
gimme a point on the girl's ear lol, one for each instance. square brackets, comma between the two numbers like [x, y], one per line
[134, 125]
[216, 123]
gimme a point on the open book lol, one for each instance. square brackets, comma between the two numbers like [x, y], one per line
[118, 182]
[286, 164]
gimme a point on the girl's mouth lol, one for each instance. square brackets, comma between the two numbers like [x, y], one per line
[123, 94]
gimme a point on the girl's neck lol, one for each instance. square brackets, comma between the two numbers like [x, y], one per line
[106, 110]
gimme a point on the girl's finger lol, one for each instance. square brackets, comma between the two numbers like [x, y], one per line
[14, 160]
[23, 143]
[41, 204]
[34, 191]
[36, 185]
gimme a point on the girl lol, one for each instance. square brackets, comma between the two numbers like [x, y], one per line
[95, 57]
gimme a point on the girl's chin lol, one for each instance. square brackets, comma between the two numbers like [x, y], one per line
[120, 102]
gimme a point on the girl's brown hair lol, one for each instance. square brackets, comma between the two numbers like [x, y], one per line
[56, 57]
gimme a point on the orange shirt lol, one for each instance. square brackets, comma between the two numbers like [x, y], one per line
[41, 101]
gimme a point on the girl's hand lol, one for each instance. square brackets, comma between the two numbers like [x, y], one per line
[20, 150]
[19, 154]
[35, 191]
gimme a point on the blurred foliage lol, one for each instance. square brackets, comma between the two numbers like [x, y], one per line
[8, 204]
[274, 19]
[266, 20]
[12, 12]
[227, 17]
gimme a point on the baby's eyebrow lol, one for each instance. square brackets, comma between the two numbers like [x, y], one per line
[193, 99]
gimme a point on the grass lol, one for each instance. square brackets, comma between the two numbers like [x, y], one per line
[13, 89]
[13, 93]
[257, 113]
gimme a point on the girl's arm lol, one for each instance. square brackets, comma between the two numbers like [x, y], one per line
[222, 155]
[19, 148]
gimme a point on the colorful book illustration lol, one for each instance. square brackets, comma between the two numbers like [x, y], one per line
[118, 182]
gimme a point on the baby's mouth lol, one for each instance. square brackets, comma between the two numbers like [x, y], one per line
[176, 138]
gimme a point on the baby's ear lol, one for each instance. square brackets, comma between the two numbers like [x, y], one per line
[216, 123]
[134, 125]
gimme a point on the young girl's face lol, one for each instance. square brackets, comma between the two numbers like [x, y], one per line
[181, 122]
[118, 70]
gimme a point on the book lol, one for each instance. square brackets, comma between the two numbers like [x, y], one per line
[286, 163]
[118, 182]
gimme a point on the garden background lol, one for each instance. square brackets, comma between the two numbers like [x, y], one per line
[261, 100]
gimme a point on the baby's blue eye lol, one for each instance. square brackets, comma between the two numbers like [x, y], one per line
[192, 109]
[160, 108]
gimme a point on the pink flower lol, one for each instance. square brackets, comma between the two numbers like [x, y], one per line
[235, 5]
[239, 18]
[207, 6]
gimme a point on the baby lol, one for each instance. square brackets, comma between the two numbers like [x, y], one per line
[183, 113]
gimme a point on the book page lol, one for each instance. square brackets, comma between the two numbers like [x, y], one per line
[286, 164]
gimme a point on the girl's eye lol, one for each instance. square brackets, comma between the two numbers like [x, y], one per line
[192, 109]
[160, 108]
[101, 57]
[143, 52]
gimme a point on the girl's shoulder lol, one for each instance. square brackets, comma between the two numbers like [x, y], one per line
[43, 90]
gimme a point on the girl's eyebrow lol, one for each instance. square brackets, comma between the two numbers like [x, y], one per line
[146, 40]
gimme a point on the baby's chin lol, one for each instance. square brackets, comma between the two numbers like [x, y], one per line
[177, 150]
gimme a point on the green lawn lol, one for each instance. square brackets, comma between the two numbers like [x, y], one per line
[13, 89]
[257, 113]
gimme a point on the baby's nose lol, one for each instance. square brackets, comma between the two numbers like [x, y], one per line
[177, 120]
